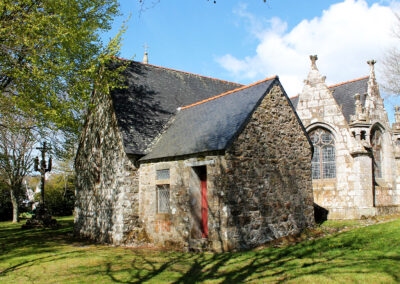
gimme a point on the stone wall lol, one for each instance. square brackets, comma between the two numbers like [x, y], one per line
[175, 229]
[350, 194]
[352, 186]
[354, 192]
[106, 207]
[267, 182]
[259, 190]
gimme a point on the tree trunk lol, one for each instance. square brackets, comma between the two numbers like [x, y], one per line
[14, 203]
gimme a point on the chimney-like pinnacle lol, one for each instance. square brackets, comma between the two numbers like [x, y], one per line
[145, 57]
[397, 114]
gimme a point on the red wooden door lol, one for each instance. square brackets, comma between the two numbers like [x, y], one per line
[204, 210]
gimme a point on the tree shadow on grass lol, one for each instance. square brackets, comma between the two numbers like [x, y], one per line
[39, 260]
[17, 243]
[367, 251]
[344, 254]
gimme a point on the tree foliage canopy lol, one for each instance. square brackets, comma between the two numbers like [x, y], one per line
[50, 51]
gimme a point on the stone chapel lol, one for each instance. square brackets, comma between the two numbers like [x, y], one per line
[356, 160]
[186, 161]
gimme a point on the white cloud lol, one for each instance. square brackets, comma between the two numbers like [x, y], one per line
[344, 37]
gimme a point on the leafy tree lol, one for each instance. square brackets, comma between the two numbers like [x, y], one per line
[50, 57]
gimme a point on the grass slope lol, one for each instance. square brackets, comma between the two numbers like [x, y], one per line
[367, 254]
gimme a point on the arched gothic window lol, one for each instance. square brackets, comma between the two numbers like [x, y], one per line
[324, 159]
[376, 143]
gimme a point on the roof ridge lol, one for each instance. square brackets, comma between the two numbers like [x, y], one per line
[351, 81]
[228, 92]
[189, 73]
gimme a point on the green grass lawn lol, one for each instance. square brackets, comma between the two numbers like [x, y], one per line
[360, 255]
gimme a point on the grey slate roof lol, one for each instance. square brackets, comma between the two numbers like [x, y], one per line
[210, 125]
[294, 101]
[344, 95]
[151, 98]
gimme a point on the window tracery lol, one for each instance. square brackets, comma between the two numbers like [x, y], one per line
[324, 158]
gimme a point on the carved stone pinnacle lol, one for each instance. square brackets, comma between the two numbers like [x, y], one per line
[313, 59]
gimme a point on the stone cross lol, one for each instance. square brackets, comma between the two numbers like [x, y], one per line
[371, 64]
[43, 169]
[313, 59]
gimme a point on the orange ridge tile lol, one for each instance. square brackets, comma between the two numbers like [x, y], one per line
[227, 93]
[339, 84]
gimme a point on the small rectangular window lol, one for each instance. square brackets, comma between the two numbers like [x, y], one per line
[162, 174]
[163, 198]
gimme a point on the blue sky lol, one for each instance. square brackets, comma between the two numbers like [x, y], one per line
[245, 41]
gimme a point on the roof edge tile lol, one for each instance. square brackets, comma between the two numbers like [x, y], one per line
[351, 81]
[229, 92]
[175, 70]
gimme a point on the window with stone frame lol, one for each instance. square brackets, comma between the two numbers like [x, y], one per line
[162, 174]
[376, 143]
[163, 194]
[324, 158]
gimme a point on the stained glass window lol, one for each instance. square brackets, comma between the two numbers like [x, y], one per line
[324, 160]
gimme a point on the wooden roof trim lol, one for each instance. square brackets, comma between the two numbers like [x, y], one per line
[175, 70]
[351, 81]
[229, 92]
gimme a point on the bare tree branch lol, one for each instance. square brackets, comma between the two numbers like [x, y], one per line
[391, 63]
[17, 140]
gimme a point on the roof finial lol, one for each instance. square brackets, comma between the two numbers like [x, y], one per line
[145, 57]
[371, 64]
[313, 59]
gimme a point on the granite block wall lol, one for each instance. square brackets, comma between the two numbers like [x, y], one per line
[267, 182]
[106, 208]
[258, 190]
